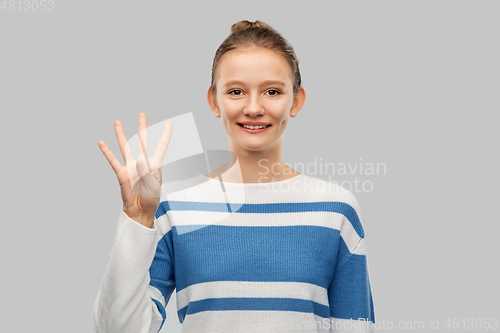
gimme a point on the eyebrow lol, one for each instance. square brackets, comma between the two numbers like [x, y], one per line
[229, 83]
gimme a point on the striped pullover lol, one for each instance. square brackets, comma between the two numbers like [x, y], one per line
[287, 256]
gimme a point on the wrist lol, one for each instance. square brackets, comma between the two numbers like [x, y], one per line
[144, 219]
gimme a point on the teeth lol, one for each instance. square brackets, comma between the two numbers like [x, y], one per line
[254, 127]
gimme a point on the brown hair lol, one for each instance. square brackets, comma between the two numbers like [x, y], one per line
[259, 34]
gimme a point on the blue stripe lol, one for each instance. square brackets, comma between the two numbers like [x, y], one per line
[235, 253]
[350, 294]
[162, 311]
[162, 268]
[262, 304]
[275, 208]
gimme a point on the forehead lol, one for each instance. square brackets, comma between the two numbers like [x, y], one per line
[253, 65]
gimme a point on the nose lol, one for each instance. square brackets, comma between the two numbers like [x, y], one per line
[254, 106]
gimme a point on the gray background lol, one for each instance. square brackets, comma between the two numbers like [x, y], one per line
[411, 84]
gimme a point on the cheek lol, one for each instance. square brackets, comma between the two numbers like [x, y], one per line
[228, 106]
[285, 105]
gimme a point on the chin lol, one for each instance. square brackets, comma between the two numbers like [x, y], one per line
[255, 147]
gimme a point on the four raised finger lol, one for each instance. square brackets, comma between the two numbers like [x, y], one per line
[143, 134]
[142, 147]
[115, 164]
[164, 141]
[122, 142]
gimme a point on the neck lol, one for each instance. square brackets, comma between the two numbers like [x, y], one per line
[256, 166]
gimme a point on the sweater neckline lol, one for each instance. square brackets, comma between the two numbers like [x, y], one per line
[294, 178]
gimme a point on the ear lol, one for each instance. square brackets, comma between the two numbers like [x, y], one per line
[298, 102]
[212, 102]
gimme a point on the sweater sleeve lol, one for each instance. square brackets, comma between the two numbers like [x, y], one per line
[349, 293]
[126, 302]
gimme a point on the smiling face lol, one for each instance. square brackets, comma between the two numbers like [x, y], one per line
[255, 85]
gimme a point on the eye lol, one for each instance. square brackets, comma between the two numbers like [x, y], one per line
[231, 92]
[277, 92]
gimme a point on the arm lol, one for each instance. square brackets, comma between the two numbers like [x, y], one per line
[349, 293]
[125, 302]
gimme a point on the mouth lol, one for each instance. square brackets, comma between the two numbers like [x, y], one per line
[254, 128]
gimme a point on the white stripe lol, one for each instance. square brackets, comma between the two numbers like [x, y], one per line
[361, 248]
[163, 225]
[243, 321]
[157, 295]
[323, 219]
[220, 289]
[349, 235]
[203, 218]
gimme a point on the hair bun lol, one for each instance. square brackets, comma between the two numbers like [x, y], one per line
[244, 24]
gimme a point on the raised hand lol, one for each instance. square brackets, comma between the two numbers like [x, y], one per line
[140, 180]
